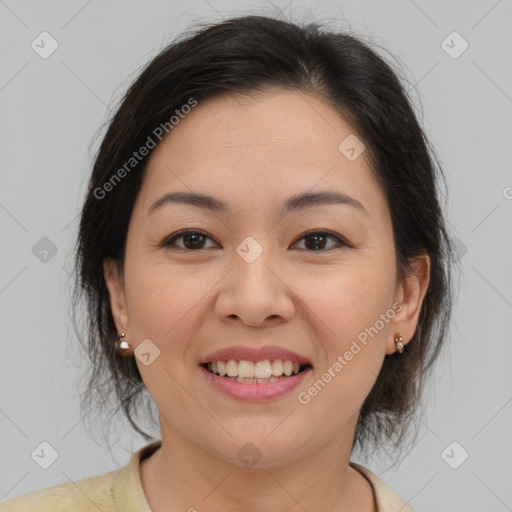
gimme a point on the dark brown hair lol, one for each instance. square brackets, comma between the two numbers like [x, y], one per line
[246, 55]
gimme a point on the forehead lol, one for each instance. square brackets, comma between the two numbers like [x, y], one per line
[270, 146]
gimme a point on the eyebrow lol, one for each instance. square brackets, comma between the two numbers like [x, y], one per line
[292, 204]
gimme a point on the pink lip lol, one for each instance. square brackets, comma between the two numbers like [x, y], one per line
[240, 352]
[249, 392]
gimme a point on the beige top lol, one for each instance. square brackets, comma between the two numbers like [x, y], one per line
[121, 491]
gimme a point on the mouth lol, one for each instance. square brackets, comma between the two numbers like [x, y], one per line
[255, 372]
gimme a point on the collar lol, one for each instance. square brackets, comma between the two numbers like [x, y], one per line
[127, 491]
[128, 494]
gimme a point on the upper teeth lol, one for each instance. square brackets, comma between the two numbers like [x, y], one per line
[249, 369]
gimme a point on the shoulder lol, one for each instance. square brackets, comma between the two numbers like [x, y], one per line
[120, 489]
[387, 499]
[89, 494]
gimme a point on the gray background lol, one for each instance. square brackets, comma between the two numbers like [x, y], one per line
[50, 110]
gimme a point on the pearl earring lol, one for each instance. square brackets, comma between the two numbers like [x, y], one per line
[399, 343]
[123, 347]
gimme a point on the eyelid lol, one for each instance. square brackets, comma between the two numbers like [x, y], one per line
[178, 234]
[171, 238]
[341, 240]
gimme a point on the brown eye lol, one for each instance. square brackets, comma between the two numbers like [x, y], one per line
[192, 240]
[317, 240]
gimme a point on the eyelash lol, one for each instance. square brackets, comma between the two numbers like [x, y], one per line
[169, 242]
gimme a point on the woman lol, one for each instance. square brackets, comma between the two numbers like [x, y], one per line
[262, 248]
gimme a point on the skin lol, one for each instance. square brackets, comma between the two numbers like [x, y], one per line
[253, 154]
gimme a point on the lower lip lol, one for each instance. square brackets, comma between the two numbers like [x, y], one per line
[254, 392]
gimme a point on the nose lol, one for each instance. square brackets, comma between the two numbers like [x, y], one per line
[255, 292]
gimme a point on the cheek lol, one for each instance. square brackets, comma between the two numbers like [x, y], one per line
[353, 346]
[167, 305]
[157, 300]
[354, 300]
[353, 316]
[162, 308]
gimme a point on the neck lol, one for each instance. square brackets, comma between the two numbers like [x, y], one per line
[184, 476]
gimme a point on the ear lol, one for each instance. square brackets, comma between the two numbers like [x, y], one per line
[115, 284]
[410, 295]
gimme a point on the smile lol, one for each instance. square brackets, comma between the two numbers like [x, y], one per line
[254, 389]
[260, 372]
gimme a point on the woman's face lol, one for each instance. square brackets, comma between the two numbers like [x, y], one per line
[254, 280]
